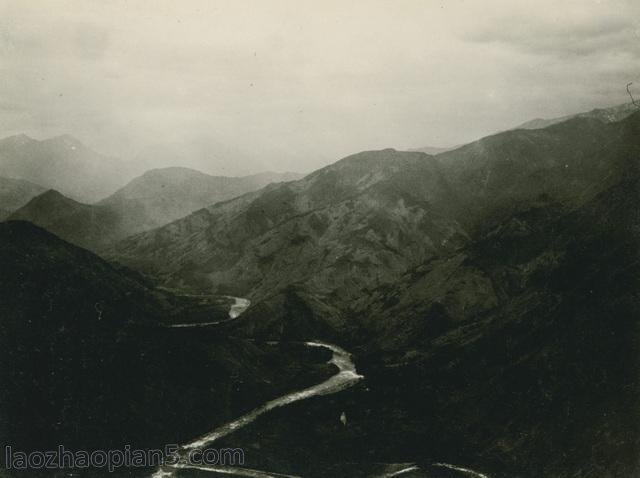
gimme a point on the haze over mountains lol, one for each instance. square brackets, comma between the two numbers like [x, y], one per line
[151, 200]
[65, 164]
[607, 115]
[163, 195]
[62, 163]
[205, 153]
[15, 193]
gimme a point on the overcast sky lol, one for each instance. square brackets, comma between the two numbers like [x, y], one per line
[290, 85]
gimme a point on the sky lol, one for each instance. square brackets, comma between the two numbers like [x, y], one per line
[241, 86]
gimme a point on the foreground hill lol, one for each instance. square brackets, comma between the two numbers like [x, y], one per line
[155, 198]
[72, 323]
[15, 193]
[62, 163]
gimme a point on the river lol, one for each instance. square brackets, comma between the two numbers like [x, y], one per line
[346, 377]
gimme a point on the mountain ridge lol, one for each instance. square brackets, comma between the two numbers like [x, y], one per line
[153, 199]
[381, 202]
[610, 114]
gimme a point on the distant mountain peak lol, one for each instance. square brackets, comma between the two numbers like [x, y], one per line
[51, 199]
[20, 139]
[173, 171]
[53, 194]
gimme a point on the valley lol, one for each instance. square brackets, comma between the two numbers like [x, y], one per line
[487, 296]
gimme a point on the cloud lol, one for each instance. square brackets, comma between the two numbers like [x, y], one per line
[566, 37]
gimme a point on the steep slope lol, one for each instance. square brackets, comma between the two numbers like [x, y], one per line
[340, 230]
[15, 193]
[62, 163]
[160, 196]
[566, 163]
[520, 352]
[71, 324]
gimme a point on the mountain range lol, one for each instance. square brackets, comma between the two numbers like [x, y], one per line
[488, 293]
[360, 223]
[157, 197]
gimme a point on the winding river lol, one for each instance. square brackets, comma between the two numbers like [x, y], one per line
[346, 377]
